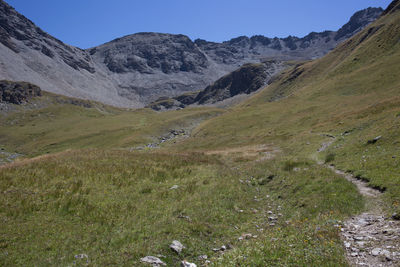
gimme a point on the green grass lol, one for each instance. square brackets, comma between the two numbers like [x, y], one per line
[117, 206]
[332, 95]
[60, 125]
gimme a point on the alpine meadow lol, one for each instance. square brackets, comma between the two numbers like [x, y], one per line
[156, 150]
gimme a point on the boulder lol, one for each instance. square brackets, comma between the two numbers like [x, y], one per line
[154, 261]
[177, 246]
[187, 264]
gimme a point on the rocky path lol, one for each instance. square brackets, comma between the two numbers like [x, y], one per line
[371, 238]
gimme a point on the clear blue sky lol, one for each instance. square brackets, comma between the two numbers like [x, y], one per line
[87, 23]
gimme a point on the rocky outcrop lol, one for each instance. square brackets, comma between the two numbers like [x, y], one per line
[166, 53]
[312, 46]
[17, 92]
[245, 80]
[15, 28]
[357, 22]
[29, 54]
[137, 69]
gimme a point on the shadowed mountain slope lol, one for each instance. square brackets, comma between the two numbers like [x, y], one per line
[134, 70]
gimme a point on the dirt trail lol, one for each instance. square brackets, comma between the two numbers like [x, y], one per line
[370, 238]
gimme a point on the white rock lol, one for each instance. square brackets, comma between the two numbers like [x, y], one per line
[174, 187]
[387, 254]
[177, 246]
[187, 264]
[153, 261]
[376, 251]
[203, 257]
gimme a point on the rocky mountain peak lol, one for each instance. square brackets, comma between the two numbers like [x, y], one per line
[15, 26]
[149, 53]
[136, 69]
[358, 21]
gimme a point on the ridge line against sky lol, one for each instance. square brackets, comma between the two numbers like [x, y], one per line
[90, 23]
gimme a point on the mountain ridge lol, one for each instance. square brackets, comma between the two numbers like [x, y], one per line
[133, 70]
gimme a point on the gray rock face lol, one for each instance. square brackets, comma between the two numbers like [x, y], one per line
[312, 46]
[177, 246]
[245, 80]
[357, 22]
[154, 261]
[29, 54]
[17, 92]
[148, 53]
[137, 69]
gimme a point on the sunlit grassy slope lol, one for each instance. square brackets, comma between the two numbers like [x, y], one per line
[353, 93]
[58, 123]
[118, 206]
[239, 167]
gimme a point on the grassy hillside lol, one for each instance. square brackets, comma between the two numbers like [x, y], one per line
[250, 171]
[54, 123]
[352, 93]
[118, 206]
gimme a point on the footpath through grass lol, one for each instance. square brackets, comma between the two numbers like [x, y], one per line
[117, 207]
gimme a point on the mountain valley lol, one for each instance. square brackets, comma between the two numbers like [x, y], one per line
[250, 152]
[134, 70]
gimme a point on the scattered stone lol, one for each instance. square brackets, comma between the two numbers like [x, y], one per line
[354, 254]
[347, 244]
[203, 257]
[396, 216]
[154, 261]
[181, 216]
[373, 141]
[174, 187]
[346, 132]
[376, 252]
[82, 256]
[223, 248]
[187, 264]
[360, 243]
[359, 238]
[177, 246]
[245, 236]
